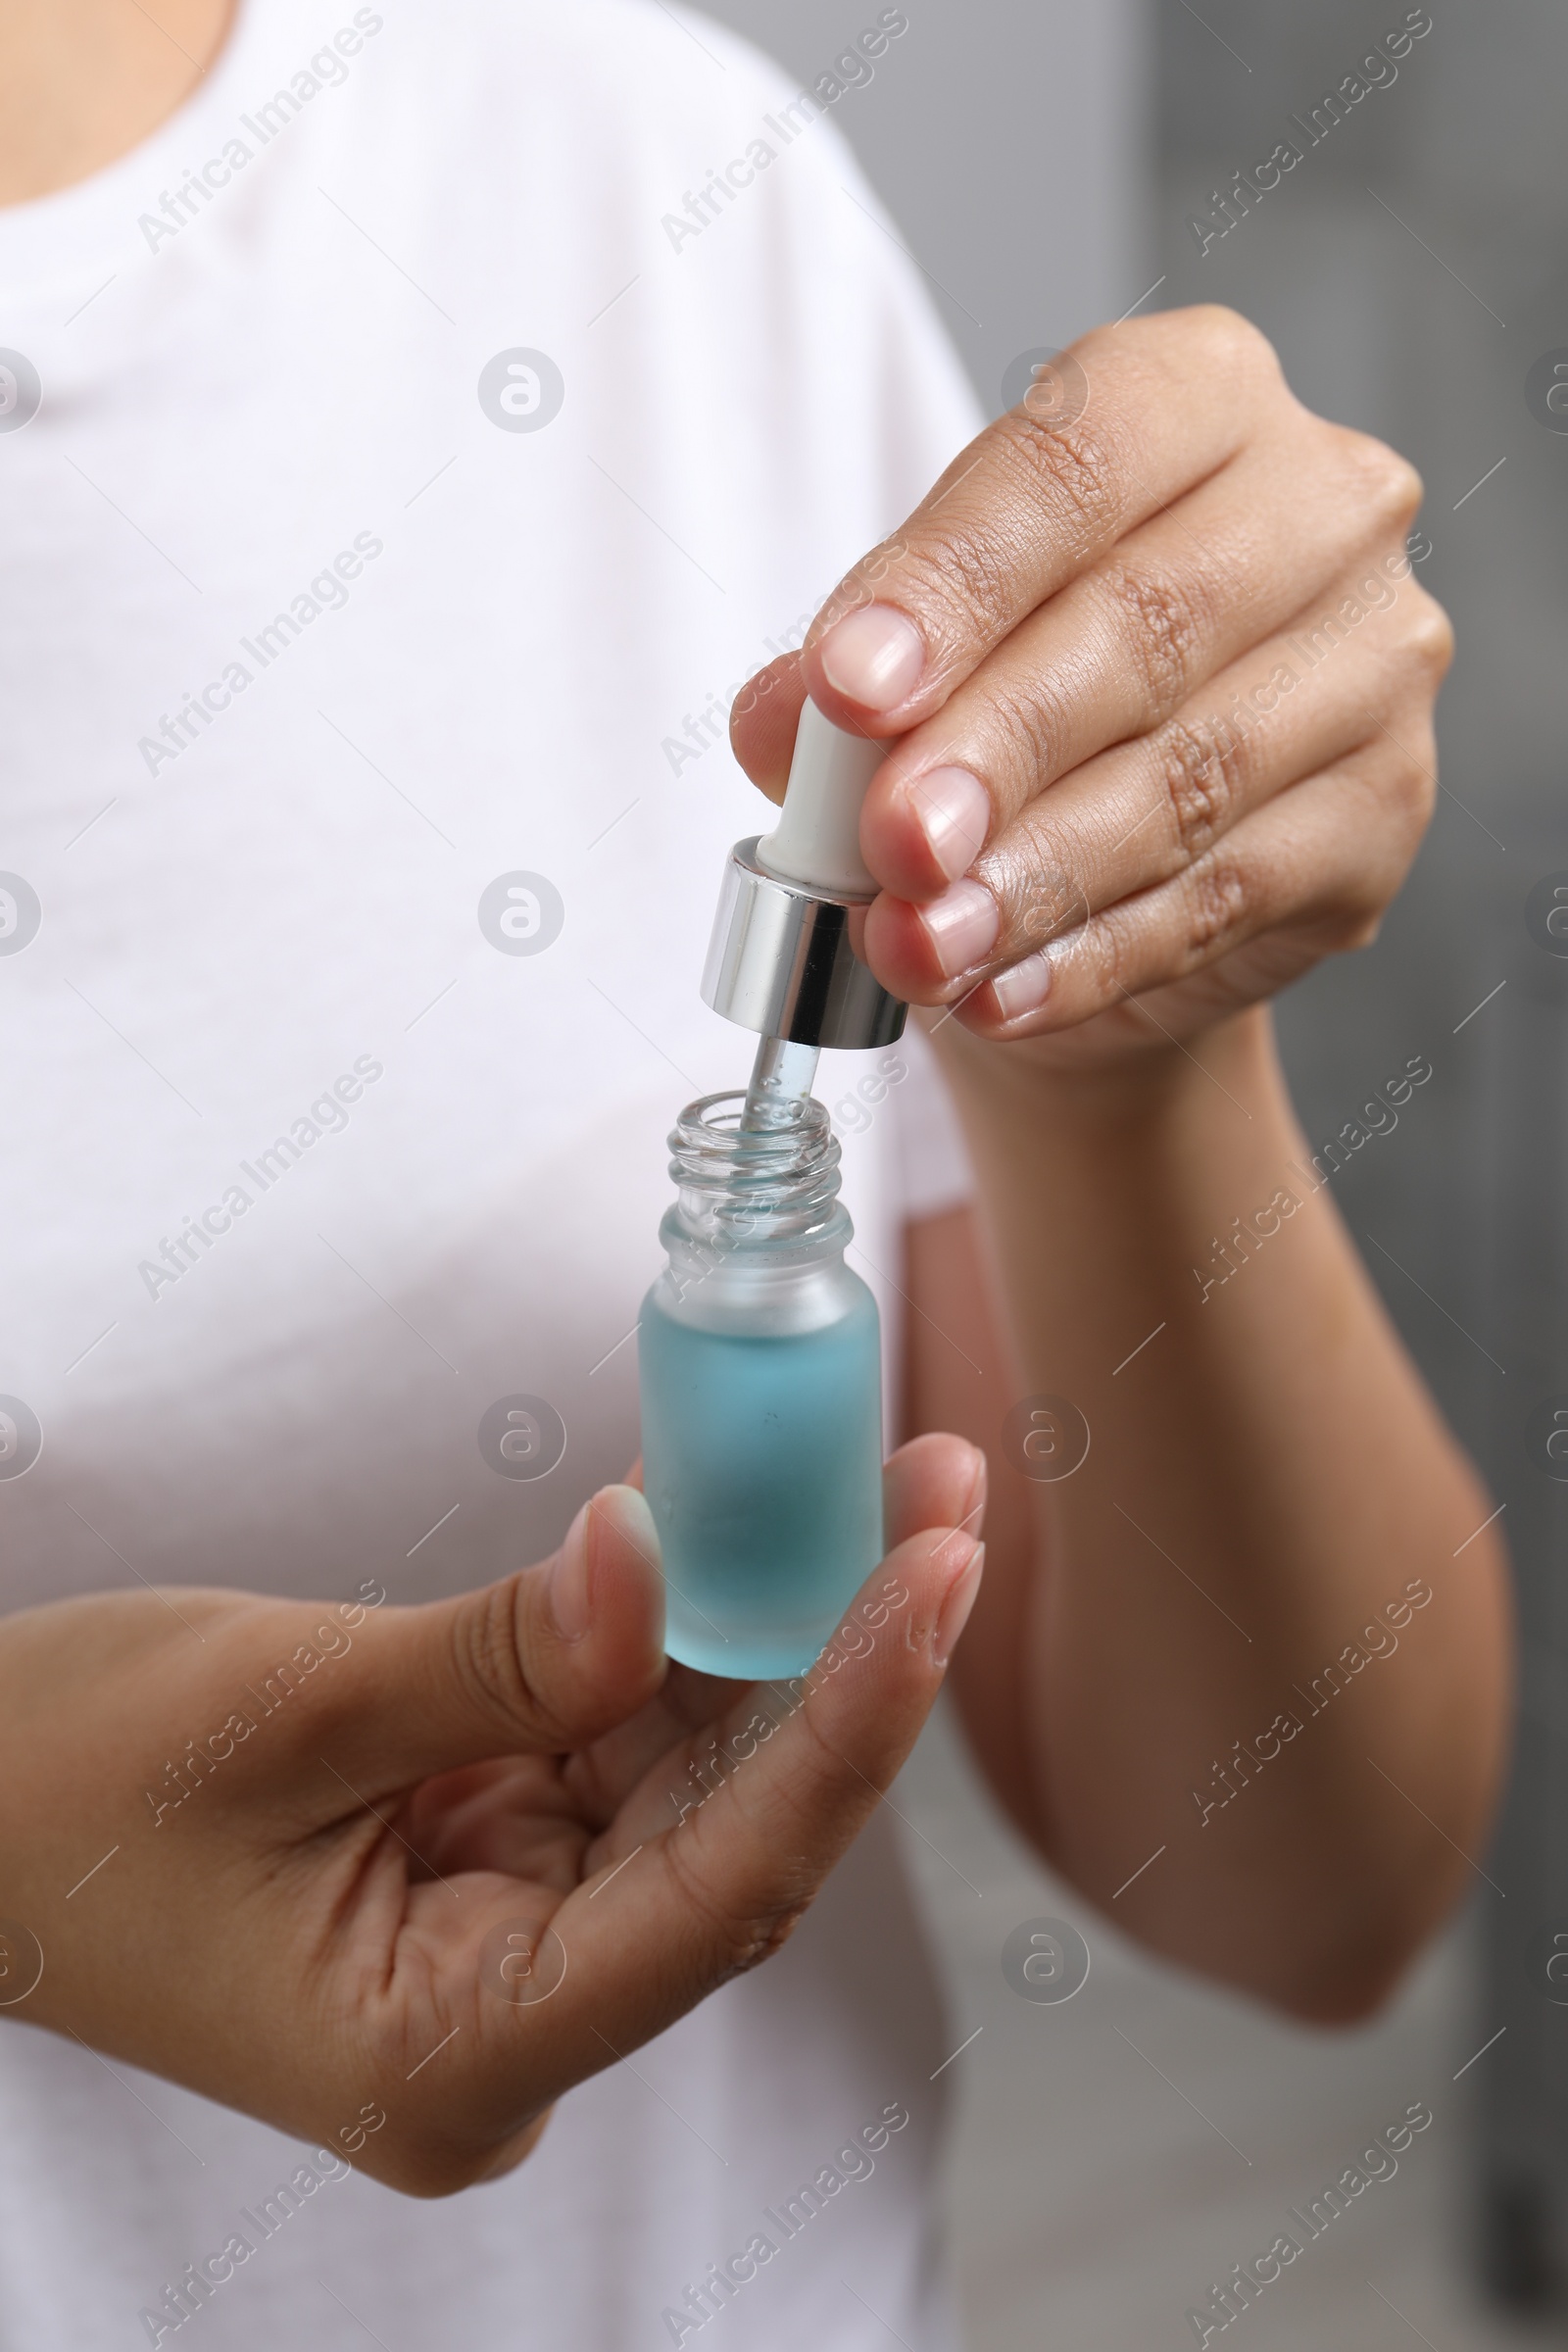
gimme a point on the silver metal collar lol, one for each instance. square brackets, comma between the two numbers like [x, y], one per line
[780, 962]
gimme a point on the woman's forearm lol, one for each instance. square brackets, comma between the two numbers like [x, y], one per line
[1223, 1650]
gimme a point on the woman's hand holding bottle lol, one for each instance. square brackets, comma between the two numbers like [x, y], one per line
[395, 1879]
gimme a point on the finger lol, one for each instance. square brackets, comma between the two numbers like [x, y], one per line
[1030, 504]
[762, 721]
[540, 1662]
[934, 1480]
[1122, 647]
[1138, 814]
[1315, 868]
[534, 1820]
[713, 1891]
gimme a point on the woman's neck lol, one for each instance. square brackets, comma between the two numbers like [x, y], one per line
[83, 81]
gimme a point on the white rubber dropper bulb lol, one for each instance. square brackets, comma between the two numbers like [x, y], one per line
[816, 841]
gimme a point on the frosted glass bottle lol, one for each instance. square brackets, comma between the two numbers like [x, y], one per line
[760, 1362]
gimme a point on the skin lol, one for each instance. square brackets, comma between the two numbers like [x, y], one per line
[86, 80]
[1088, 596]
[303, 1934]
[1087, 592]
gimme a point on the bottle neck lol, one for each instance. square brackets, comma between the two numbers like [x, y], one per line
[757, 1178]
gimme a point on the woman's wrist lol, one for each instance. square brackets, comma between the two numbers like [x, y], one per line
[1158, 1108]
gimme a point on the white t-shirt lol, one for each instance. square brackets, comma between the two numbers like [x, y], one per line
[310, 633]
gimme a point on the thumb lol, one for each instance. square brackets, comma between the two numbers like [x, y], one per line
[762, 722]
[733, 1833]
[543, 1661]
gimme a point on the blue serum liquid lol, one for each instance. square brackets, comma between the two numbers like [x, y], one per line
[763, 1460]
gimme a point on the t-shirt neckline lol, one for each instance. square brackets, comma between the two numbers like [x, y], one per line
[77, 225]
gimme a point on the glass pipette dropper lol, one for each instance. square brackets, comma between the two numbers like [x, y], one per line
[781, 1076]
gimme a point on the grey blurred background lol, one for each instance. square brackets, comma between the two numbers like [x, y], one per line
[1117, 2153]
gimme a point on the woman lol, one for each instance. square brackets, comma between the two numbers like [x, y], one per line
[393, 503]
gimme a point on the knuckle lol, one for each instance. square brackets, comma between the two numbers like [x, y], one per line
[1067, 462]
[1197, 766]
[1359, 930]
[1164, 624]
[488, 1657]
[1104, 953]
[1218, 906]
[1387, 486]
[1430, 637]
[967, 572]
[736, 1938]
[1413, 788]
[1359, 920]
[1353, 893]
[1237, 343]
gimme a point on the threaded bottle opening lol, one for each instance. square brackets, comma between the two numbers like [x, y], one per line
[752, 1170]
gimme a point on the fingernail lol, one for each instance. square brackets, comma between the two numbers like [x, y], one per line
[954, 812]
[569, 1580]
[962, 926]
[637, 1518]
[977, 1493]
[953, 1614]
[1026, 988]
[874, 657]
